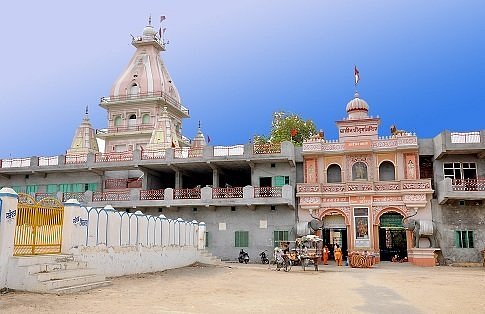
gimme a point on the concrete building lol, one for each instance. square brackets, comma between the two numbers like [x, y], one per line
[455, 162]
[244, 193]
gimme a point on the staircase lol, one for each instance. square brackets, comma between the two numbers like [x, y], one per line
[206, 257]
[58, 274]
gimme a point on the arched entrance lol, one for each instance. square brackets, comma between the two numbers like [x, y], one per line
[335, 232]
[392, 236]
[39, 226]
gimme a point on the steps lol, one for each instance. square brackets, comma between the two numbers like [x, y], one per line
[206, 257]
[59, 274]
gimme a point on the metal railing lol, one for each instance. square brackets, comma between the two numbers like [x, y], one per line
[168, 99]
[76, 159]
[15, 163]
[151, 195]
[147, 154]
[234, 192]
[48, 161]
[267, 191]
[109, 157]
[468, 184]
[179, 194]
[130, 128]
[236, 150]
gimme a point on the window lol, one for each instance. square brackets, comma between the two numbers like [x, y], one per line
[18, 189]
[334, 174]
[241, 239]
[51, 188]
[132, 120]
[134, 90]
[117, 121]
[91, 187]
[207, 239]
[460, 170]
[30, 189]
[359, 171]
[464, 239]
[279, 236]
[281, 180]
[145, 119]
[386, 171]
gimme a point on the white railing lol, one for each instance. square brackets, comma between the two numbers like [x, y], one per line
[49, 161]
[465, 138]
[236, 150]
[15, 163]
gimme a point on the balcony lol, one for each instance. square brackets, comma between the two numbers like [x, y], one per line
[457, 189]
[116, 184]
[452, 143]
[370, 187]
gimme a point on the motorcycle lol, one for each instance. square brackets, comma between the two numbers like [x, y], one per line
[264, 258]
[243, 257]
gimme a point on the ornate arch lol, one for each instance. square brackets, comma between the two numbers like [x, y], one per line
[379, 213]
[322, 212]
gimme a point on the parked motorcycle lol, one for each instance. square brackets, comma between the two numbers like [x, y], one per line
[264, 258]
[243, 257]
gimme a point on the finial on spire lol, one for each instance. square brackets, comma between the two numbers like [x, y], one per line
[199, 124]
[86, 110]
[150, 20]
[356, 77]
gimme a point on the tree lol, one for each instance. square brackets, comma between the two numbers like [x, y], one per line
[288, 127]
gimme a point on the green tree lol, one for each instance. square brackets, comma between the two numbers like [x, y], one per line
[288, 127]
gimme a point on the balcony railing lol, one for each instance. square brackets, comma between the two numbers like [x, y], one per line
[131, 128]
[236, 150]
[147, 154]
[76, 159]
[465, 138]
[353, 186]
[187, 152]
[48, 161]
[15, 163]
[179, 194]
[468, 184]
[169, 99]
[109, 157]
[267, 191]
[266, 149]
[111, 196]
[122, 183]
[80, 196]
[150, 195]
[234, 192]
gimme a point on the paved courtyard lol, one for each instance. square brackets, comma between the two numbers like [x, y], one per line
[237, 288]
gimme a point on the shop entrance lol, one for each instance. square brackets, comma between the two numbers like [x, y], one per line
[335, 232]
[392, 237]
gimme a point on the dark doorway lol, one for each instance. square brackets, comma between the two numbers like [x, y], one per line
[265, 181]
[335, 236]
[392, 237]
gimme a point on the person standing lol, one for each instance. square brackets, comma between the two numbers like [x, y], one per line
[338, 255]
[326, 251]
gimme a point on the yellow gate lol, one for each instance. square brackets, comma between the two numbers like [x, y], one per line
[39, 226]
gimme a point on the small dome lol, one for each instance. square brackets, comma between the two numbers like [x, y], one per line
[149, 31]
[357, 104]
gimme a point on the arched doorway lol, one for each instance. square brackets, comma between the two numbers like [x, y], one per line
[335, 232]
[392, 236]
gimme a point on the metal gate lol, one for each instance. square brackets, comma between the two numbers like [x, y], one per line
[39, 226]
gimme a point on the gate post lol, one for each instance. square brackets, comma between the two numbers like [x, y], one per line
[8, 221]
[71, 219]
[201, 240]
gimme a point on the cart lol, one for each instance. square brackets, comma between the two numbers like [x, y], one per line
[309, 249]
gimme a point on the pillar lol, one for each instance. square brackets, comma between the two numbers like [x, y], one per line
[201, 244]
[71, 219]
[8, 222]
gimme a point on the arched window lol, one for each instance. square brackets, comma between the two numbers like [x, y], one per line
[334, 174]
[386, 171]
[132, 120]
[145, 119]
[117, 121]
[134, 89]
[359, 171]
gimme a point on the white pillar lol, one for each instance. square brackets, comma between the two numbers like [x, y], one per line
[201, 236]
[8, 221]
[71, 219]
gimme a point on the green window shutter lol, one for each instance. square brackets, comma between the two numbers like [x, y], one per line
[92, 186]
[241, 239]
[279, 181]
[470, 239]
[279, 235]
[457, 239]
[16, 188]
[51, 188]
[77, 187]
[31, 189]
[206, 239]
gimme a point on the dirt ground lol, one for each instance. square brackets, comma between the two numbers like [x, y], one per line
[238, 288]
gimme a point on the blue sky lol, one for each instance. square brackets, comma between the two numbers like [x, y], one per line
[236, 62]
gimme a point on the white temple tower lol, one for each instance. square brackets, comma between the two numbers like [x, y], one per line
[143, 96]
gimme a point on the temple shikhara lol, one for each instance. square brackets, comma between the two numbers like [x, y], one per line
[138, 182]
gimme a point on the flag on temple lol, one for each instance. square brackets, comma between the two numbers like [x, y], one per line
[162, 18]
[356, 75]
[208, 139]
[160, 32]
[293, 132]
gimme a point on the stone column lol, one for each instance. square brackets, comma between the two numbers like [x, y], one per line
[8, 221]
